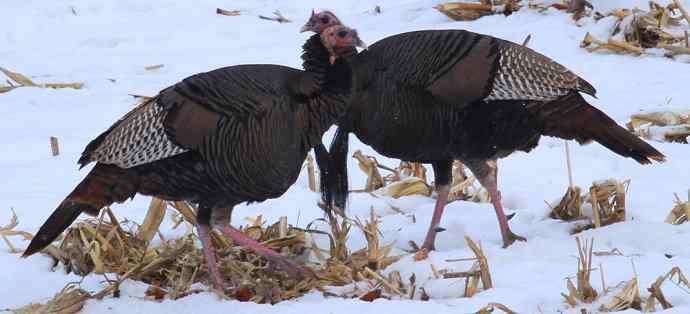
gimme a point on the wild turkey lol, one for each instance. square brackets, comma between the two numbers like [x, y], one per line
[232, 135]
[438, 95]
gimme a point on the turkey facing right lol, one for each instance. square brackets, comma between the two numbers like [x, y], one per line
[435, 96]
[220, 138]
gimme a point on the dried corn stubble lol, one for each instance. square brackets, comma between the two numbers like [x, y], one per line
[8, 231]
[278, 17]
[491, 307]
[68, 301]
[463, 186]
[104, 246]
[369, 165]
[478, 272]
[227, 12]
[680, 213]
[411, 179]
[637, 30]
[21, 80]
[570, 206]
[669, 126]
[583, 292]
[378, 257]
[607, 198]
[627, 297]
[656, 294]
[407, 186]
[579, 8]
[469, 11]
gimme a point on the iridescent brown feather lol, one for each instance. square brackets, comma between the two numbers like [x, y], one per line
[524, 74]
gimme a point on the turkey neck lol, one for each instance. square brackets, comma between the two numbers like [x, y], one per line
[331, 87]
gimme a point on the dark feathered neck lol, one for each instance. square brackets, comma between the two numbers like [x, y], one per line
[315, 57]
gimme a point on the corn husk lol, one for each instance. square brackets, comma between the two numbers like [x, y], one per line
[21, 80]
[469, 11]
[680, 213]
[607, 198]
[8, 231]
[668, 126]
[636, 31]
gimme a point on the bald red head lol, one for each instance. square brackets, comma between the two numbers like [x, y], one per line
[320, 21]
[341, 40]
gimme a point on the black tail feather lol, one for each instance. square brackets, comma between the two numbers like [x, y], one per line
[333, 170]
[339, 148]
[58, 221]
[103, 185]
[571, 117]
[324, 163]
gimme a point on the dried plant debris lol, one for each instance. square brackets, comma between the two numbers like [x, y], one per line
[491, 307]
[227, 12]
[410, 178]
[17, 80]
[68, 301]
[583, 292]
[311, 172]
[369, 166]
[153, 67]
[469, 11]
[8, 231]
[171, 267]
[625, 295]
[107, 246]
[668, 126]
[681, 212]
[478, 273]
[278, 17]
[465, 187]
[656, 295]
[578, 8]
[569, 208]
[607, 200]
[640, 32]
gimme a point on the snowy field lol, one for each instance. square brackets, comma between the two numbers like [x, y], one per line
[107, 44]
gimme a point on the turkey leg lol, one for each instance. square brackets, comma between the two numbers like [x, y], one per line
[487, 172]
[272, 256]
[442, 178]
[429, 241]
[210, 254]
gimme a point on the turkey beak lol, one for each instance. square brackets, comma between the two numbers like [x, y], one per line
[305, 28]
[359, 42]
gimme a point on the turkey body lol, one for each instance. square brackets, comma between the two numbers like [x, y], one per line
[231, 135]
[443, 95]
[246, 155]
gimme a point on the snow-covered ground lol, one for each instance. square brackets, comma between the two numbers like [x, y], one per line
[107, 44]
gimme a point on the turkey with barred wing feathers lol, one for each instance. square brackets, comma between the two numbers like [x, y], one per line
[232, 135]
[441, 95]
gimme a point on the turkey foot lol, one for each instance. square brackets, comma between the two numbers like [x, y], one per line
[509, 237]
[486, 172]
[294, 270]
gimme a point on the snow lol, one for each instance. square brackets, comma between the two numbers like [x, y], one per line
[107, 44]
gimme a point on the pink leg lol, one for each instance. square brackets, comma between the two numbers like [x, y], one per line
[272, 256]
[489, 182]
[436, 218]
[210, 253]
